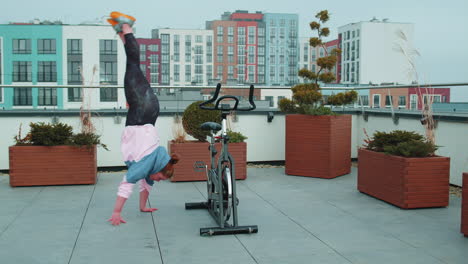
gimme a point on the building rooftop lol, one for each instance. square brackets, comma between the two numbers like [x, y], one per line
[300, 220]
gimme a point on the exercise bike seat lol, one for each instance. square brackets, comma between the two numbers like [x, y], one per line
[211, 126]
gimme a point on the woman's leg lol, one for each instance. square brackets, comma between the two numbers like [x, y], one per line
[144, 105]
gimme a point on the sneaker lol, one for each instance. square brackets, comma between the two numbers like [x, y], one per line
[122, 18]
[117, 27]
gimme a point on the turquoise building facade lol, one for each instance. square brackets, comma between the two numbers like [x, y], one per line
[31, 54]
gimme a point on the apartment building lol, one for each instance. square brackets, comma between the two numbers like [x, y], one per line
[282, 49]
[150, 57]
[413, 98]
[308, 56]
[186, 56]
[45, 53]
[260, 48]
[371, 52]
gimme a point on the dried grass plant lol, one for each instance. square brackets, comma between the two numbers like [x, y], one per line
[178, 131]
[85, 109]
[427, 120]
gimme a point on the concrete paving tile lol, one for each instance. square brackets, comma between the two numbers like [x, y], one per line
[46, 230]
[100, 242]
[300, 220]
[178, 229]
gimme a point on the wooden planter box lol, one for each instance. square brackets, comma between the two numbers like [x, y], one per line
[54, 165]
[318, 146]
[193, 151]
[464, 215]
[404, 182]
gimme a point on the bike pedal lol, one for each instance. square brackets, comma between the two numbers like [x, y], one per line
[199, 166]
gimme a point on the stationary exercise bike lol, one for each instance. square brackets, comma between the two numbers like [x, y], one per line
[222, 200]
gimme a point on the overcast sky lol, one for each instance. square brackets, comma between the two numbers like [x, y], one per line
[441, 27]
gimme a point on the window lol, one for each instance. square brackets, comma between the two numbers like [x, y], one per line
[47, 96]
[46, 46]
[198, 69]
[74, 74]
[364, 100]
[251, 51]
[402, 101]
[22, 96]
[22, 71]
[270, 100]
[108, 72]
[108, 94]
[21, 46]
[251, 35]
[220, 72]
[74, 47]
[240, 70]
[153, 48]
[209, 72]
[198, 38]
[431, 98]
[176, 73]
[108, 47]
[188, 40]
[188, 73]
[74, 94]
[376, 101]
[154, 58]
[388, 100]
[154, 78]
[251, 72]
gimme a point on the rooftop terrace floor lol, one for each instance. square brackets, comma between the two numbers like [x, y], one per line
[300, 220]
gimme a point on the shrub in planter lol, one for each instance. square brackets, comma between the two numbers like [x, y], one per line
[318, 142]
[400, 167]
[194, 117]
[50, 154]
[192, 151]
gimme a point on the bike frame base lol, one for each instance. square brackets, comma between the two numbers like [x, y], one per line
[226, 230]
[202, 205]
[229, 230]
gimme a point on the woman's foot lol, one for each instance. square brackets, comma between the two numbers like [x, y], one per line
[117, 20]
[122, 18]
[117, 27]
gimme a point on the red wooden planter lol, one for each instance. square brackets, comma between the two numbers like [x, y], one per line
[464, 215]
[191, 152]
[404, 182]
[54, 165]
[318, 146]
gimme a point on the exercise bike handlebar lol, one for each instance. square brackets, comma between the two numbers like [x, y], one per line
[217, 101]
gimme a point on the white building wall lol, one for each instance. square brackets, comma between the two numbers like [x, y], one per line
[182, 62]
[266, 141]
[276, 93]
[380, 57]
[90, 36]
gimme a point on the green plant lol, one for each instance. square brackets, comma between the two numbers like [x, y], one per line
[87, 139]
[46, 134]
[401, 143]
[194, 117]
[235, 137]
[307, 97]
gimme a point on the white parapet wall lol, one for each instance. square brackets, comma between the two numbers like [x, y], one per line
[266, 140]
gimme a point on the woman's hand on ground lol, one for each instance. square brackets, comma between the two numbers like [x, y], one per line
[116, 219]
[146, 209]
